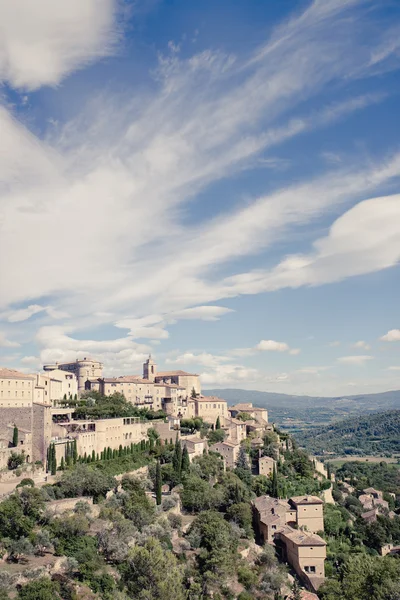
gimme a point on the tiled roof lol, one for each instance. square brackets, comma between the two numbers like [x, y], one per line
[266, 459]
[302, 538]
[243, 406]
[13, 374]
[306, 500]
[263, 503]
[209, 399]
[371, 490]
[174, 373]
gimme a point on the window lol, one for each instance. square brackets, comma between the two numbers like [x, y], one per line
[310, 569]
[273, 527]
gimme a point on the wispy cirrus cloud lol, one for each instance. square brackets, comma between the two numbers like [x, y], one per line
[205, 117]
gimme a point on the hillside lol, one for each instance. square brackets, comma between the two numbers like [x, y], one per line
[297, 413]
[373, 434]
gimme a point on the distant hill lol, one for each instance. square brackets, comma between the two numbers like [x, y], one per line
[304, 412]
[372, 434]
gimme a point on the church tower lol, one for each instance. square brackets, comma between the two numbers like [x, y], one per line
[149, 369]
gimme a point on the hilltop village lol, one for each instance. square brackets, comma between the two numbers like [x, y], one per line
[153, 452]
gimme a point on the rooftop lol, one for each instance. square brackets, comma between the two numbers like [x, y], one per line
[242, 406]
[306, 500]
[209, 399]
[302, 538]
[263, 503]
[174, 373]
[13, 374]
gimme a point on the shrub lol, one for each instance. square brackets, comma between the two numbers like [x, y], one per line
[26, 481]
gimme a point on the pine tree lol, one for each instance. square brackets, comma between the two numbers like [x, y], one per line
[274, 490]
[53, 468]
[177, 459]
[74, 452]
[242, 462]
[328, 471]
[218, 424]
[185, 460]
[158, 484]
[15, 436]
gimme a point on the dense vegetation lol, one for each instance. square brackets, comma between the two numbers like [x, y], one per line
[93, 405]
[141, 546]
[374, 434]
[381, 476]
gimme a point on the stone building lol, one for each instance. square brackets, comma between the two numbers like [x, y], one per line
[22, 404]
[266, 465]
[85, 370]
[229, 452]
[291, 525]
[305, 552]
[195, 445]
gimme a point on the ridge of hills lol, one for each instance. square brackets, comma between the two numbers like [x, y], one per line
[297, 413]
[366, 434]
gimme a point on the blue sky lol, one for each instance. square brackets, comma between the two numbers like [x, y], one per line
[216, 183]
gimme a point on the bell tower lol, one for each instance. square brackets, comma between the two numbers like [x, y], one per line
[149, 369]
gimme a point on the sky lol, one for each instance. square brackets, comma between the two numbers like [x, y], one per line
[214, 183]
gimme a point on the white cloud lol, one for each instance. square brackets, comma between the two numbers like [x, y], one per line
[203, 358]
[334, 344]
[391, 336]
[31, 362]
[6, 343]
[265, 346]
[395, 368]
[204, 313]
[166, 146]
[354, 360]
[272, 346]
[25, 313]
[43, 41]
[228, 375]
[362, 344]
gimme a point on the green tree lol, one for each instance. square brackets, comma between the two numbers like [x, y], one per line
[15, 460]
[40, 589]
[217, 542]
[177, 458]
[242, 461]
[274, 484]
[193, 394]
[218, 423]
[15, 437]
[158, 484]
[62, 464]
[185, 460]
[74, 452]
[152, 573]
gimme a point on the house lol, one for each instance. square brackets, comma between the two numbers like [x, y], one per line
[271, 515]
[309, 511]
[195, 445]
[266, 465]
[229, 452]
[305, 552]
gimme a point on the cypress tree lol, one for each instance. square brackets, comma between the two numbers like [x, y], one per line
[151, 444]
[53, 460]
[74, 452]
[93, 456]
[328, 471]
[218, 424]
[48, 460]
[275, 490]
[97, 457]
[15, 436]
[85, 457]
[158, 483]
[62, 464]
[132, 448]
[177, 459]
[185, 460]
[120, 450]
